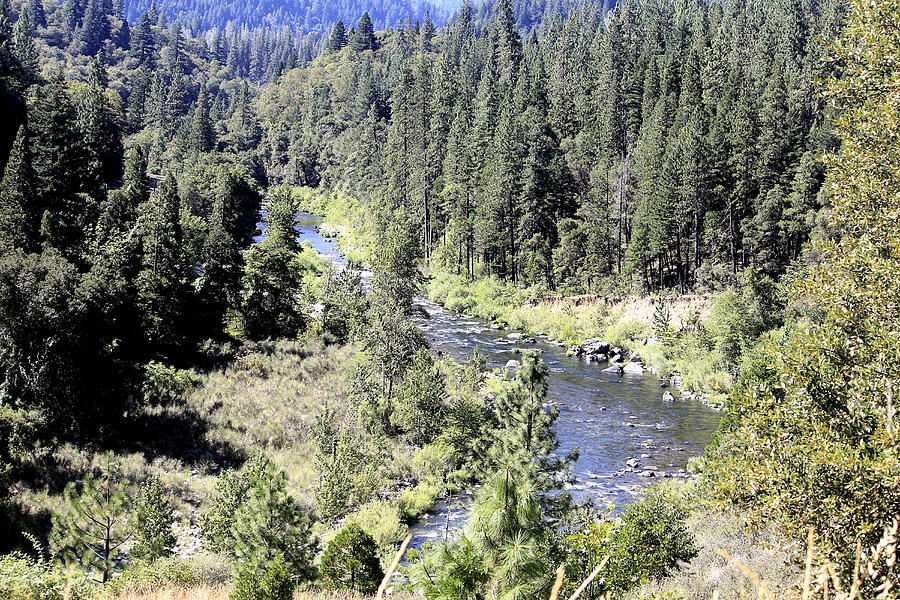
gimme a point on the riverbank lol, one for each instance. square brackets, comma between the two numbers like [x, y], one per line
[645, 327]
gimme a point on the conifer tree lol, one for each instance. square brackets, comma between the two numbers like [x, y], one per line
[37, 13]
[24, 49]
[219, 282]
[202, 134]
[161, 281]
[58, 161]
[143, 44]
[338, 38]
[18, 226]
[94, 29]
[94, 527]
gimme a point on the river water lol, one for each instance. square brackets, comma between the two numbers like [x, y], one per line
[610, 418]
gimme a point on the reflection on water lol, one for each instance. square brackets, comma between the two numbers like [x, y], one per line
[610, 418]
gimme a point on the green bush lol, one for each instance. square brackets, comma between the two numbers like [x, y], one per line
[351, 561]
[24, 578]
[163, 383]
[414, 501]
[275, 583]
[645, 542]
[381, 520]
[459, 300]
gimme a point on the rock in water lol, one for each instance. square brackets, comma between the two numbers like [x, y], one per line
[668, 397]
[635, 368]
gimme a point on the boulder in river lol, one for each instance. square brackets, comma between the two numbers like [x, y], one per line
[614, 368]
[668, 397]
[591, 347]
[634, 368]
[513, 364]
[632, 462]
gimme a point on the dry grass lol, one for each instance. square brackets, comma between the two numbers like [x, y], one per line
[758, 567]
[268, 399]
[641, 308]
[223, 593]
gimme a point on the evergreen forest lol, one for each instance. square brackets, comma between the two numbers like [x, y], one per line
[312, 300]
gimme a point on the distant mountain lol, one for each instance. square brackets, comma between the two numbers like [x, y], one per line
[305, 16]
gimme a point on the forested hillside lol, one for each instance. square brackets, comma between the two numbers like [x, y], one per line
[671, 148]
[301, 17]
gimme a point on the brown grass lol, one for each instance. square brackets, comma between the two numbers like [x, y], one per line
[873, 571]
[223, 593]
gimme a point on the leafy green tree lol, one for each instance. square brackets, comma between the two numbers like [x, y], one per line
[153, 520]
[95, 524]
[646, 543]
[346, 471]
[829, 389]
[420, 401]
[351, 561]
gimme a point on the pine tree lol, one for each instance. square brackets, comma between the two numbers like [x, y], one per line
[219, 282]
[122, 37]
[18, 223]
[363, 37]
[95, 28]
[161, 286]
[176, 101]
[202, 134]
[37, 13]
[338, 38]
[101, 139]
[269, 523]
[427, 34]
[24, 49]
[66, 213]
[143, 44]
[94, 527]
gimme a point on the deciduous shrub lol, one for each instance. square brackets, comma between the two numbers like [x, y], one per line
[274, 583]
[24, 578]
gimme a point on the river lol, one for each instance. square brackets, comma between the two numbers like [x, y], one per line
[610, 418]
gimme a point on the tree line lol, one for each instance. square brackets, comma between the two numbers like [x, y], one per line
[663, 144]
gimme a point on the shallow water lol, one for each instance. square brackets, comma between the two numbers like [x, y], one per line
[610, 418]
